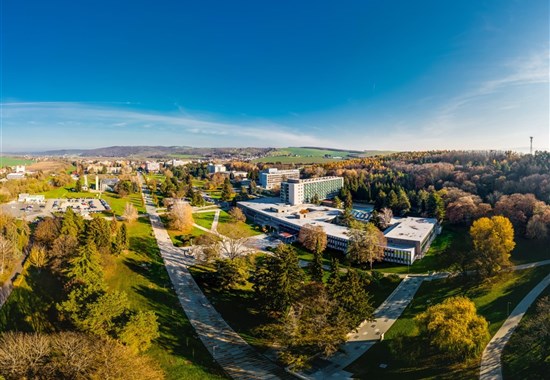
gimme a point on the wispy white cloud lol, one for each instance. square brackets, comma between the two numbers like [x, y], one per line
[124, 124]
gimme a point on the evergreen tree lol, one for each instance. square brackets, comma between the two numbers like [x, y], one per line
[435, 206]
[316, 267]
[403, 203]
[392, 200]
[227, 191]
[278, 279]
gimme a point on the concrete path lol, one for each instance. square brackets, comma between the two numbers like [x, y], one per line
[368, 333]
[238, 359]
[215, 221]
[491, 368]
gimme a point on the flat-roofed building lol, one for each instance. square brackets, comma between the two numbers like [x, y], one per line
[298, 191]
[408, 238]
[28, 198]
[272, 177]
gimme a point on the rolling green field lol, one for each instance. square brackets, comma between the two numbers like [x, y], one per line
[13, 161]
[313, 155]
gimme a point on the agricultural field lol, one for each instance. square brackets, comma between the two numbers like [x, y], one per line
[313, 155]
[13, 161]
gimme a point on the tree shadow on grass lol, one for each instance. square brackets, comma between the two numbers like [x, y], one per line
[32, 306]
[177, 336]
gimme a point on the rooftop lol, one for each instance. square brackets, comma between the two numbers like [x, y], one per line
[410, 228]
[315, 215]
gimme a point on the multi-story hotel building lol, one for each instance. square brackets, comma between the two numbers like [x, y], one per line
[269, 178]
[298, 191]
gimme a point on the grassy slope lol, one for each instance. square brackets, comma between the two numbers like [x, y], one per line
[491, 301]
[142, 275]
[513, 364]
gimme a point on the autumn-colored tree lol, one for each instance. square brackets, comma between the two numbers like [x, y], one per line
[130, 212]
[313, 238]
[493, 240]
[454, 328]
[180, 217]
[237, 215]
[366, 243]
[8, 252]
[536, 228]
[37, 256]
[69, 355]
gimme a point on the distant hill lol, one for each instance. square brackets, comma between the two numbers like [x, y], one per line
[158, 152]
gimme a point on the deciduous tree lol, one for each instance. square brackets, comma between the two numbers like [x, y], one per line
[180, 217]
[454, 328]
[130, 212]
[366, 243]
[237, 215]
[493, 240]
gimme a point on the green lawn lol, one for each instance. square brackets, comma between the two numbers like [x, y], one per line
[491, 301]
[179, 239]
[514, 363]
[141, 273]
[226, 227]
[530, 250]
[204, 219]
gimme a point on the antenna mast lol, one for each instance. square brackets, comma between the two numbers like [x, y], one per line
[531, 147]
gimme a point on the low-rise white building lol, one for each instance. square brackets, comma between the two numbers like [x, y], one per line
[408, 238]
[28, 198]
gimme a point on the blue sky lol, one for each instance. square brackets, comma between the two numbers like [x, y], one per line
[403, 75]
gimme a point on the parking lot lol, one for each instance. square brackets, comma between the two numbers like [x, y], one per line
[30, 211]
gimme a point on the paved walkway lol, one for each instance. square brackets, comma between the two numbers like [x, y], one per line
[238, 359]
[491, 368]
[368, 333]
[215, 221]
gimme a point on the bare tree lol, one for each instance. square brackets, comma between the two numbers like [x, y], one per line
[233, 243]
[181, 217]
[130, 212]
[384, 217]
[210, 247]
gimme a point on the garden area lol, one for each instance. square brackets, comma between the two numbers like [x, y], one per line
[493, 299]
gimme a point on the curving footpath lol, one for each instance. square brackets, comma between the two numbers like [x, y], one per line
[491, 368]
[237, 358]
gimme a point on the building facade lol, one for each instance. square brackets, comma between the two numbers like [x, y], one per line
[216, 168]
[298, 191]
[269, 178]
